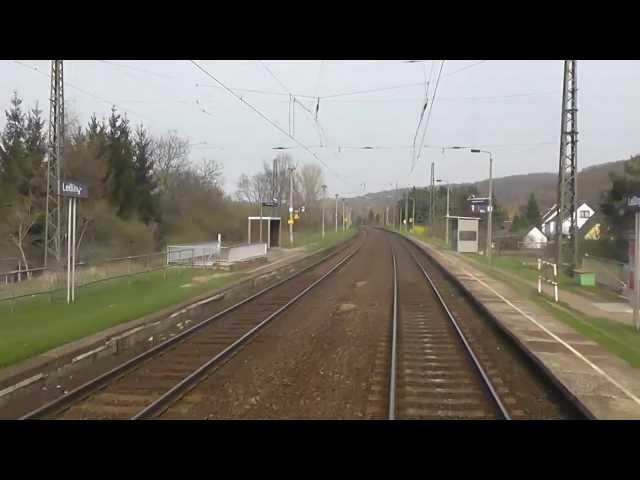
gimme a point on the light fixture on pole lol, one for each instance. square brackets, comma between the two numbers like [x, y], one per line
[291, 170]
[336, 213]
[446, 235]
[490, 207]
[324, 197]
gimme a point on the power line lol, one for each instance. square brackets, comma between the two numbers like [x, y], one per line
[97, 97]
[138, 69]
[203, 70]
[465, 68]
[273, 75]
[424, 108]
[426, 126]
[489, 97]
[381, 89]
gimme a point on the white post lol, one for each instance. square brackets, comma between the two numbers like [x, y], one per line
[636, 279]
[555, 281]
[260, 222]
[249, 231]
[73, 251]
[69, 202]
[447, 222]
[539, 276]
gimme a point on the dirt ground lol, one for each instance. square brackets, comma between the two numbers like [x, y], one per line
[324, 358]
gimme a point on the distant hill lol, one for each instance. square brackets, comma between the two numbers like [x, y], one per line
[513, 191]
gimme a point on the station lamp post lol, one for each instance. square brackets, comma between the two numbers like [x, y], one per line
[490, 206]
[336, 213]
[446, 235]
[324, 197]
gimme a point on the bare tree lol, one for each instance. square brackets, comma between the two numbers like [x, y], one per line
[310, 180]
[256, 188]
[18, 223]
[209, 170]
[170, 155]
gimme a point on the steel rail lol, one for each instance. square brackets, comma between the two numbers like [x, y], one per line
[189, 382]
[88, 388]
[485, 378]
[394, 342]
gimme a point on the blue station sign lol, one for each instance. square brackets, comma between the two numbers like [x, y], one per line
[73, 189]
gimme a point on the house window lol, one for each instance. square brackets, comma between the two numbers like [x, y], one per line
[584, 214]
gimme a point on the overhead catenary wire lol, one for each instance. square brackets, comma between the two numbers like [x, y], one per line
[267, 119]
[424, 108]
[93, 95]
[465, 68]
[138, 69]
[426, 126]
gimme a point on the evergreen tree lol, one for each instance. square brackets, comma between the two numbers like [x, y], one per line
[618, 219]
[13, 150]
[145, 183]
[120, 156]
[532, 212]
[519, 224]
[35, 149]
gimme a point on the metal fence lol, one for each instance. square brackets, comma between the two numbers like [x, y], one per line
[204, 254]
[207, 254]
[25, 283]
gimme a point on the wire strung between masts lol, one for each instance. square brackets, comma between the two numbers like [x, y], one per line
[267, 119]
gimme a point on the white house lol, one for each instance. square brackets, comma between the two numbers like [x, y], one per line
[534, 238]
[549, 219]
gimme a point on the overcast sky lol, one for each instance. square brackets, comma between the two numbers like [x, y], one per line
[509, 107]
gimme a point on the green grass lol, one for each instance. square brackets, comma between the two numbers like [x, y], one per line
[37, 324]
[619, 339]
[526, 268]
[314, 241]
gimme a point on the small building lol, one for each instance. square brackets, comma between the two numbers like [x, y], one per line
[264, 230]
[464, 233]
[549, 219]
[534, 238]
[590, 230]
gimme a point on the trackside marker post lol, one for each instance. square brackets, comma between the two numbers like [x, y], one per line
[541, 277]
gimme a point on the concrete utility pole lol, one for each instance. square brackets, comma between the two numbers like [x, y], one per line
[413, 214]
[432, 189]
[324, 198]
[568, 168]
[406, 210]
[291, 169]
[490, 206]
[446, 232]
[336, 213]
[53, 221]
[343, 218]
[447, 222]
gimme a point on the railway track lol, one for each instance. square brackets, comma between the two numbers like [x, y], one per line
[448, 361]
[146, 385]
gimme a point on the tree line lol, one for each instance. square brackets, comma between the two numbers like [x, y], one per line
[144, 190]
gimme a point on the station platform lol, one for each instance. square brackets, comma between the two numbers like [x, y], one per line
[604, 384]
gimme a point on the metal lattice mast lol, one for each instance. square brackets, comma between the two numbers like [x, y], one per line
[567, 251]
[53, 227]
